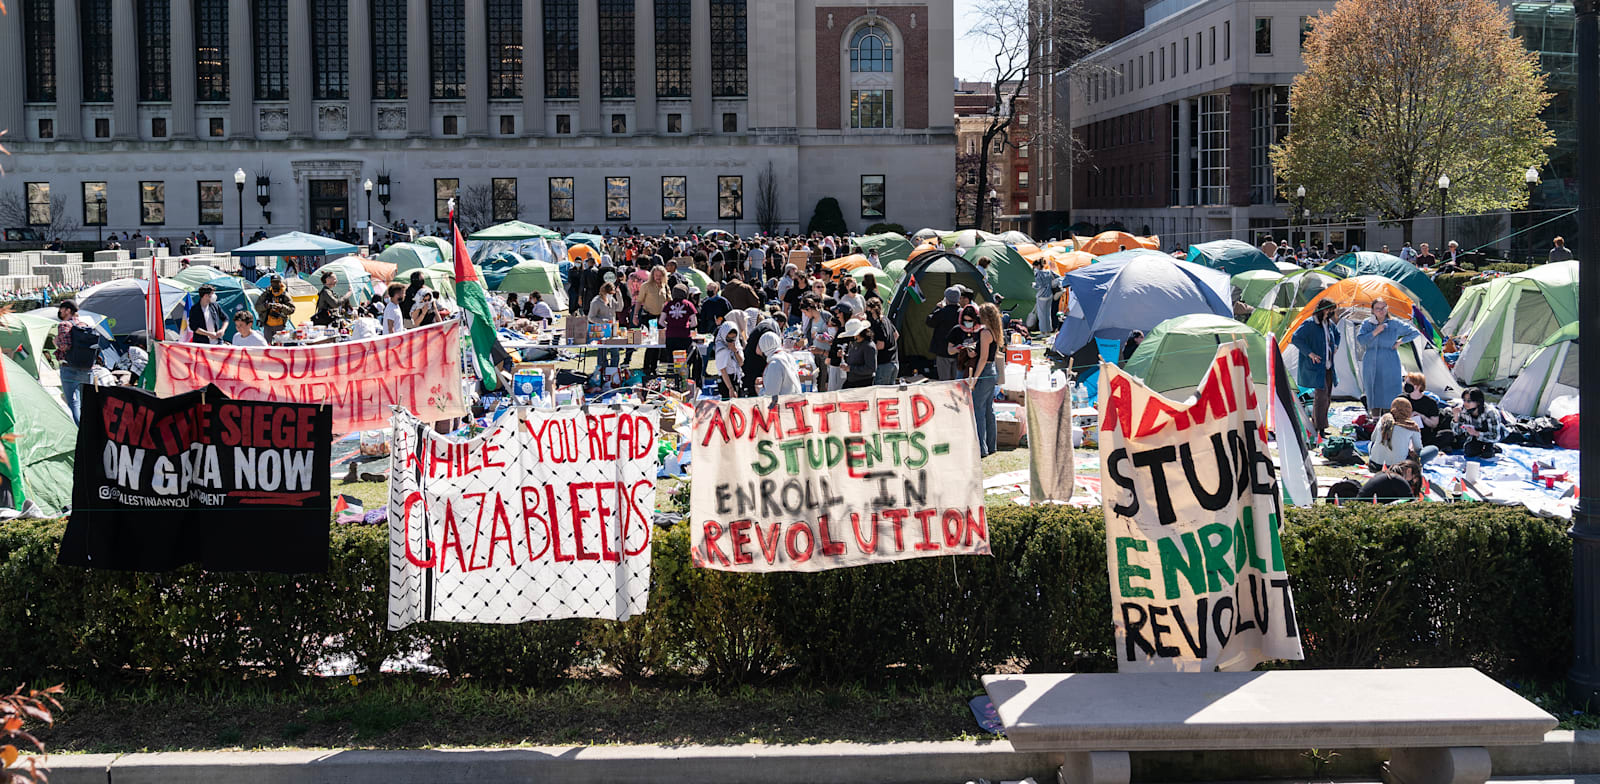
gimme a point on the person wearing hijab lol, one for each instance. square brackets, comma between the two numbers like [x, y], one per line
[414, 288]
[1398, 438]
[426, 311]
[755, 363]
[727, 362]
[782, 374]
[1382, 336]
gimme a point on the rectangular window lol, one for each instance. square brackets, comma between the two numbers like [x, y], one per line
[214, 127]
[210, 192]
[729, 48]
[449, 124]
[508, 125]
[1186, 54]
[1227, 40]
[1161, 66]
[389, 49]
[94, 204]
[1022, 179]
[674, 198]
[158, 127]
[1269, 125]
[447, 26]
[1305, 30]
[1212, 149]
[102, 127]
[561, 49]
[871, 108]
[271, 49]
[730, 197]
[505, 49]
[1022, 151]
[1172, 58]
[505, 206]
[730, 122]
[38, 198]
[674, 123]
[211, 50]
[563, 124]
[1263, 35]
[616, 48]
[330, 49]
[94, 28]
[619, 123]
[561, 199]
[673, 48]
[39, 55]
[444, 189]
[618, 207]
[872, 197]
[1213, 58]
[155, 50]
[152, 203]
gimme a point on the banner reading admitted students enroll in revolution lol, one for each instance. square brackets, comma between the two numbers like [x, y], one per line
[419, 370]
[546, 516]
[811, 482]
[233, 485]
[1192, 515]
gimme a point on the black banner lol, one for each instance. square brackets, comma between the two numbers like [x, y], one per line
[233, 485]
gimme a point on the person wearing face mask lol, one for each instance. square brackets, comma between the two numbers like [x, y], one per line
[426, 311]
[206, 319]
[1424, 408]
[275, 306]
[1382, 336]
[887, 341]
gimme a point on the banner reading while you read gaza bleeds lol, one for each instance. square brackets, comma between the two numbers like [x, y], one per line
[419, 370]
[813, 482]
[1192, 514]
[233, 485]
[545, 516]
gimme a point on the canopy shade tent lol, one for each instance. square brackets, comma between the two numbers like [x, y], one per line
[1411, 279]
[1135, 292]
[1230, 256]
[890, 246]
[1175, 356]
[407, 256]
[1009, 275]
[46, 439]
[296, 243]
[514, 230]
[121, 302]
[1508, 318]
[592, 240]
[931, 274]
[1551, 373]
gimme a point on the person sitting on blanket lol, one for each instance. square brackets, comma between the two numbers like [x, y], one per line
[1478, 426]
[1398, 438]
[1401, 482]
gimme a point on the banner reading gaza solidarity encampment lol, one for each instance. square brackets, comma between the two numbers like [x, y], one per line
[198, 478]
[1192, 515]
[545, 516]
[419, 370]
[813, 482]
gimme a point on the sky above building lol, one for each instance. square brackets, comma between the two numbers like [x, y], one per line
[973, 59]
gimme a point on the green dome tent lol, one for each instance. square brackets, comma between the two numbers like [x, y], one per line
[46, 438]
[896, 268]
[441, 278]
[514, 230]
[29, 339]
[1511, 319]
[930, 274]
[1174, 357]
[1413, 280]
[349, 276]
[407, 256]
[197, 274]
[890, 246]
[440, 245]
[1230, 256]
[1552, 372]
[1285, 298]
[884, 281]
[1254, 284]
[530, 276]
[698, 280]
[1009, 275]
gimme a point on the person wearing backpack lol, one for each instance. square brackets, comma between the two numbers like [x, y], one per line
[77, 347]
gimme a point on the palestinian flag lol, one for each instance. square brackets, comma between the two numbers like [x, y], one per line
[473, 299]
[11, 490]
[914, 289]
[1294, 459]
[348, 510]
[155, 326]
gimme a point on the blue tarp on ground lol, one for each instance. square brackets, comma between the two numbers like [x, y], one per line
[1130, 291]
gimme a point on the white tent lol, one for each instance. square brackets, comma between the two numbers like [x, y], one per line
[1416, 356]
[1552, 372]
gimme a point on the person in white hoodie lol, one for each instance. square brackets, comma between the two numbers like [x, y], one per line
[782, 376]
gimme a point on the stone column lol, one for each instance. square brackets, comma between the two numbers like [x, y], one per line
[1185, 152]
[477, 19]
[419, 70]
[69, 72]
[181, 124]
[589, 69]
[14, 91]
[241, 72]
[359, 110]
[302, 119]
[533, 120]
[644, 67]
[125, 77]
[700, 65]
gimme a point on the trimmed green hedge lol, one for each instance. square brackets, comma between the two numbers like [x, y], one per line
[1374, 586]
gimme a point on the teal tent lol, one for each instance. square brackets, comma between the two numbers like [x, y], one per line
[349, 277]
[1174, 357]
[514, 230]
[407, 256]
[197, 274]
[1230, 256]
[1414, 281]
[592, 240]
[440, 245]
[1010, 276]
[46, 439]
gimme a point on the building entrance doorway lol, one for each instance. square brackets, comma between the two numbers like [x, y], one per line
[330, 207]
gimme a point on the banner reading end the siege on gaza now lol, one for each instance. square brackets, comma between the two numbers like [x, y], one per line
[1192, 524]
[811, 482]
[546, 516]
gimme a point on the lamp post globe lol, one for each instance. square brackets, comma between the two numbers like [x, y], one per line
[1531, 176]
[238, 184]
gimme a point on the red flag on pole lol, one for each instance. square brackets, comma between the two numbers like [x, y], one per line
[154, 315]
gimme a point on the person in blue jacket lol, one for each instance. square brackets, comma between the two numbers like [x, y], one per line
[1317, 338]
[1381, 374]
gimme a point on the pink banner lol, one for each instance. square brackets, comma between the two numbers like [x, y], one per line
[418, 370]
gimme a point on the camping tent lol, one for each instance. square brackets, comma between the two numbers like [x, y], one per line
[1284, 299]
[46, 440]
[1063, 262]
[1511, 319]
[29, 338]
[846, 263]
[1355, 296]
[1136, 254]
[884, 283]
[965, 238]
[1116, 296]
[696, 278]
[121, 302]
[1411, 279]
[1552, 372]
[925, 234]
[407, 256]
[1014, 237]
[349, 277]
[441, 279]
[1009, 275]
[1230, 256]
[931, 274]
[592, 240]
[1175, 356]
[382, 272]
[1254, 284]
[1107, 242]
[1287, 267]
[578, 251]
[447, 252]
[890, 246]
[527, 277]
[514, 230]
[197, 274]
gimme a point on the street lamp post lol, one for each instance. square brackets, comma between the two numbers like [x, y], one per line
[1531, 177]
[100, 224]
[994, 211]
[367, 186]
[1583, 680]
[1444, 195]
[238, 184]
[1299, 211]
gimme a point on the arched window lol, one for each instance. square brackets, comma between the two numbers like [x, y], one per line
[871, 51]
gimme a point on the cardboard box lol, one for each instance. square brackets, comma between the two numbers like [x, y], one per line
[577, 328]
[1008, 434]
[1017, 396]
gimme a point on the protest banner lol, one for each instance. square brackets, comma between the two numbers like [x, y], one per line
[233, 485]
[804, 483]
[1192, 515]
[1051, 461]
[545, 516]
[419, 370]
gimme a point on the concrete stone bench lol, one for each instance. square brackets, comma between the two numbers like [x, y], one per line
[1435, 722]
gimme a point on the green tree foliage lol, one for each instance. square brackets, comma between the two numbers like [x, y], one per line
[1398, 92]
[827, 217]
